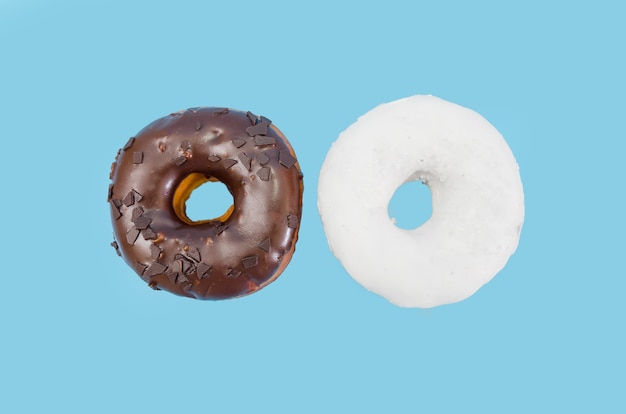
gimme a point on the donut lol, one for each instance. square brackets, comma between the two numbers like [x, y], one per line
[230, 256]
[477, 201]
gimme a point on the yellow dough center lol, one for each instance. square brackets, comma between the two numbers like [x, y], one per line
[184, 190]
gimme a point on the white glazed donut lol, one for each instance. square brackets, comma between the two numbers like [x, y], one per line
[477, 201]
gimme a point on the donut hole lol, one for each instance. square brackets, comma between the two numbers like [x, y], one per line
[411, 205]
[200, 199]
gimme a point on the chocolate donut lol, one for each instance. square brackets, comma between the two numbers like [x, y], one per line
[234, 255]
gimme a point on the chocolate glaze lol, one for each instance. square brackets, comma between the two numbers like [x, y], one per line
[215, 259]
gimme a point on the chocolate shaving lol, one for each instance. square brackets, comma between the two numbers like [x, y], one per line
[264, 245]
[187, 287]
[292, 221]
[180, 160]
[214, 158]
[137, 157]
[116, 210]
[185, 145]
[203, 270]
[260, 140]
[128, 144]
[285, 158]
[138, 197]
[137, 212]
[252, 117]
[181, 279]
[258, 129]
[117, 202]
[149, 234]
[222, 111]
[232, 273]
[140, 267]
[176, 267]
[142, 222]
[264, 173]
[245, 160]
[129, 200]
[199, 125]
[116, 247]
[238, 142]
[188, 266]
[250, 261]
[155, 251]
[228, 162]
[155, 268]
[110, 193]
[131, 235]
[262, 158]
[194, 254]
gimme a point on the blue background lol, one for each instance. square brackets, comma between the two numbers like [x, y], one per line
[80, 333]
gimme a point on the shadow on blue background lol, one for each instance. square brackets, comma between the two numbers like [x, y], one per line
[81, 333]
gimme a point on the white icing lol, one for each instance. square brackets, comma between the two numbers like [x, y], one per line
[477, 196]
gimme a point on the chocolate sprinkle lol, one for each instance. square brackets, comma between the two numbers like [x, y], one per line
[264, 245]
[155, 268]
[131, 235]
[245, 160]
[137, 212]
[176, 267]
[214, 158]
[180, 160]
[116, 247]
[140, 267]
[187, 265]
[258, 129]
[228, 162]
[194, 254]
[262, 158]
[155, 251]
[138, 197]
[142, 222]
[116, 210]
[149, 234]
[137, 157]
[232, 273]
[129, 200]
[285, 158]
[203, 270]
[128, 144]
[250, 261]
[260, 140]
[252, 117]
[238, 142]
[264, 173]
[292, 221]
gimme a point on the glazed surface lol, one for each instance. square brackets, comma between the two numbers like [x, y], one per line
[225, 257]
